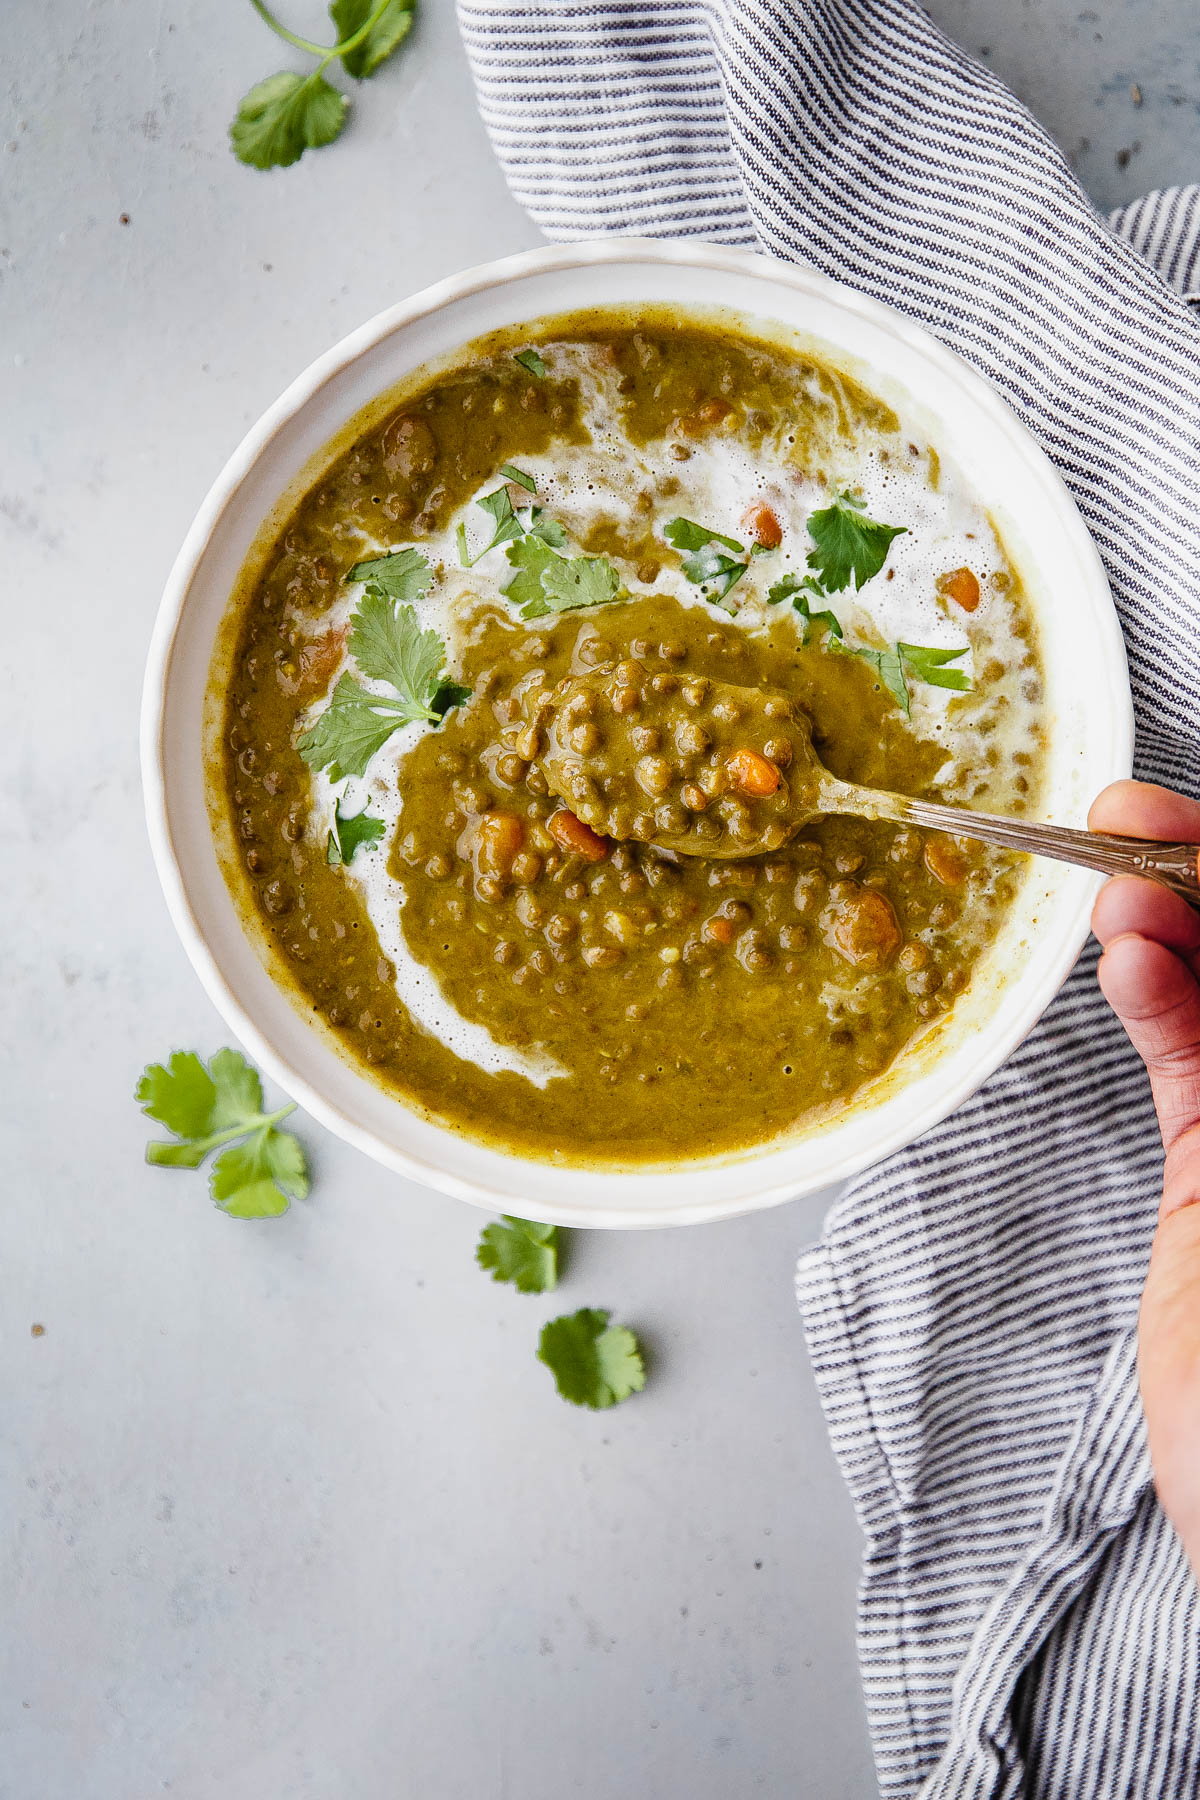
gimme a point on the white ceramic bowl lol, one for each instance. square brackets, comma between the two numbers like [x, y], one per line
[1087, 695]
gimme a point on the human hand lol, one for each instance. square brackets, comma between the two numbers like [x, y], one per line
[1150, 976]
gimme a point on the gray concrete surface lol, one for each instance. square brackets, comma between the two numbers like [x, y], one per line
[290, 1512]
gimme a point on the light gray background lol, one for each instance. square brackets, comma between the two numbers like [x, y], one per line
[290, 1511]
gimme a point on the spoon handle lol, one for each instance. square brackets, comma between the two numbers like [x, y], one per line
[1174, 866]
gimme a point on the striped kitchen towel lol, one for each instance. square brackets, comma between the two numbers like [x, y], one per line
[1028, 1625]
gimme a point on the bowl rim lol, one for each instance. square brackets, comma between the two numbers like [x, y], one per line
[681, 253]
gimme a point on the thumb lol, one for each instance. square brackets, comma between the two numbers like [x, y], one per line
[1157, 998]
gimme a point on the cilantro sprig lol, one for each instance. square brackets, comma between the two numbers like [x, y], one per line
[847, 545]
[509, 522]
[351, 833]
[793, 588]
[593, 1363]
[521, 1251]
[900, 663]
[389, 646]
[706, 559]
[288, 113]
[529, 359]
[546, 582]
[207, 1107]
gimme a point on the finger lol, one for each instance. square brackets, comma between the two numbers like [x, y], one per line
[1140, 809]
[1130, 904]
[1157, 999]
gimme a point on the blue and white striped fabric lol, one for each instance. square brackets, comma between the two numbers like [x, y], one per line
[1028, 1624]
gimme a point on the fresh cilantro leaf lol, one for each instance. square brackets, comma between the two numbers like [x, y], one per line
[505, 521]
[447, 695]
[889, 667]
[536, 522]
[389, 645]
[285, 115]
[351, 833]
[247, 1180]
[685, 534]
[847, 545]
[520, 477]
[705, 558]
[181, 1095]
[354, 726]
[214, 1106]
[792, 588]
[529, 359]
[521, 1251]
[549, 583]
[401, 575]
[387, 33]
[930, 666]
[895, 667]
[593, 1363]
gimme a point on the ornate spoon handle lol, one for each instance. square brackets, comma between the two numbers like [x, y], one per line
[1174, 866]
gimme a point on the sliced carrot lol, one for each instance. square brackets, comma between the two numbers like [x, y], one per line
[961, 586]
[751, 774]
[762, 525]
[576, 838]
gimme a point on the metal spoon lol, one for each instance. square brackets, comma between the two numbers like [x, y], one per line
[704, 768]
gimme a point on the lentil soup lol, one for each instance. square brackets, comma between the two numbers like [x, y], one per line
[637, 514]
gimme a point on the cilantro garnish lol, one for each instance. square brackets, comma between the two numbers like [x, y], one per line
[401, 574]
[288, 113]
[285, 115]
[792, 588]
[213, 1106]
[529, 359]
[902, 662]
[521, 1251]
[705, 558]
[504, 519]
[386, 31]
[549, 583]
[351, 833]
[520, 477]
[389, 646]
[593, 1363]
[848, 545]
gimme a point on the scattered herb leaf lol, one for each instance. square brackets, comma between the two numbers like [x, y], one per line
[388, 645]
[705, 558]
[449, 694]
[213, 1106]
[349, 834]
[593, 1363]
[847, 545]
[795, 589]
[930, 666]
[896, 666]
[520, 477]
[549, 583]
[401, 574]
[890, 670]
[506, 526]
[354, 726]
[529, 359]
[285, 115]
[387, 31]
[521, 1251]
[536, 522]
